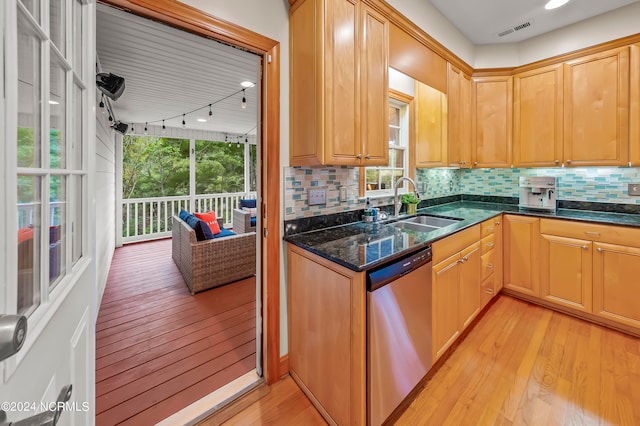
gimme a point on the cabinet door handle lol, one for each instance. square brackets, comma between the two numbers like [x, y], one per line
[568, 161]
[585, 247]
[599, 249]
[557, 161]
[490, 265]
[597, 234]
[359, 156]
[489, 291]
[475, 163]
[489, 244]
[498, 223]
[368, 156]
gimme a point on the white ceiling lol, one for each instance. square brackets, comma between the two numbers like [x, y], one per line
[169, 72]
[482, 20]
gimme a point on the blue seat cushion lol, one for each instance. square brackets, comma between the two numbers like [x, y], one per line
[248, 203]
[253, 221]
[224, 233]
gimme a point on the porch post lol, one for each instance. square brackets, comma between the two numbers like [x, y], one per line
[192, 175]
[247, 169]
[118, 184]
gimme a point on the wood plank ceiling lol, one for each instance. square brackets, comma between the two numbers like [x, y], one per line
[169, 72]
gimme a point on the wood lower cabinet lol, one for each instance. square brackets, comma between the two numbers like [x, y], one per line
[596, 109]
[565, 271]
[616, 283]
[339, 61]
[520, 245]
[491, 121]
[491, 249]
[537, 117]
[327, 335]
[455, 287]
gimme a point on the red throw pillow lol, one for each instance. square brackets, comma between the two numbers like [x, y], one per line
[210, 219]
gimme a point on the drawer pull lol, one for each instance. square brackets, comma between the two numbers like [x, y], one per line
[489, 244]
[489, 291]
[585, 247]
[599, 249]
[490, 265]
[498, 223]
[489, 228]
[597, 234]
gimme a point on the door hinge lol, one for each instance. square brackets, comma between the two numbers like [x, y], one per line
[265, 232]
[268, 59]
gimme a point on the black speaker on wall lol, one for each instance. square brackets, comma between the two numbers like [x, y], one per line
[110, 84]
[120, 127]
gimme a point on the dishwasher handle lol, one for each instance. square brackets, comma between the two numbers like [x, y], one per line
[386, 273]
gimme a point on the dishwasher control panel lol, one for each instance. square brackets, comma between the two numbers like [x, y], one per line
[384, 274]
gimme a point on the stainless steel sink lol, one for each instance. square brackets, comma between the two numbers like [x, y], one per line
[425, 223]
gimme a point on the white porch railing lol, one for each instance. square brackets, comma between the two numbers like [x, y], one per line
[150, 218]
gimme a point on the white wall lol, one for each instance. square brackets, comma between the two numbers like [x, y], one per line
[105, 200]
[269, 18]
[427, 17]
[618, 23]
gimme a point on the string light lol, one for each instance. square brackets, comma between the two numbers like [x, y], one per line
[164, 128]
[210, 105]
[101, 105]
[146, 130]
[110, 117]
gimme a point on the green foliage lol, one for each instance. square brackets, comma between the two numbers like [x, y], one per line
[159, 167]
[409, 198]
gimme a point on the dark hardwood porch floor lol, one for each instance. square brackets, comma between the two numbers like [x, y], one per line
[158, 348]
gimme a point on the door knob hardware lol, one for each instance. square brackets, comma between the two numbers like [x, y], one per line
[46, 418]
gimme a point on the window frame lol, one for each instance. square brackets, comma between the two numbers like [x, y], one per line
[408, 117]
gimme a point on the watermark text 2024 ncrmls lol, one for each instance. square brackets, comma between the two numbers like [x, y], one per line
[26, 406]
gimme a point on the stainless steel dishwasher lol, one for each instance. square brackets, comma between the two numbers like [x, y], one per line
[398, 331]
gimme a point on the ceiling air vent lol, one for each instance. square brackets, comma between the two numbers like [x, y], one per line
[513, 29]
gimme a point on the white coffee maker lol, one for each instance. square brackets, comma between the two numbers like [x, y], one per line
[538, 193]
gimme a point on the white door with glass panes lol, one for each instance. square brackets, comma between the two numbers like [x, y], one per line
[48, 269]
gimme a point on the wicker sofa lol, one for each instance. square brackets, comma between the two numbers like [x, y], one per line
[211, 263]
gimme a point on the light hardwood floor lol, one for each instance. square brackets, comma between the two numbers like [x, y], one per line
[521, 364]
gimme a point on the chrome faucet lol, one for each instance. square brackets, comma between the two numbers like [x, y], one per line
[396, 202]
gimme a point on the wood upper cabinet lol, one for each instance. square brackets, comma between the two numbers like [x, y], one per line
[431, 126]
[616, 286]
[459, 118]
[520, 245]
[565, 271]
[537, 117]
[634, 109]
[338, 58]
[596, 109]
[491, 121]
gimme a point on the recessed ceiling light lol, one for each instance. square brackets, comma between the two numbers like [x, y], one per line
[246, 84]
[552, 4]
[54, 103]
[202, 120]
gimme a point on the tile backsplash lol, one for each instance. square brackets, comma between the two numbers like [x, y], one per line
[592, 184]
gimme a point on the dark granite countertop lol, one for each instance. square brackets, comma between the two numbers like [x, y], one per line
[362, 246]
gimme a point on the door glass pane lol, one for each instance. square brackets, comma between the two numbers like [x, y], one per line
[76, 226]
[76, 138]
[57, 232]
[29, 97]
[57, 103]
[77, 37]
[29, 234]
[57, 23]
[33, 6]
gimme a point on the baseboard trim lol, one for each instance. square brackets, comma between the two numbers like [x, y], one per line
[284, 365]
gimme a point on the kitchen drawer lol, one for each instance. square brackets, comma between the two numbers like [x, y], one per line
[489, 226]
[487, 290]
[488, 264]
[590, 231]
[488, 243]
[455, 243]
